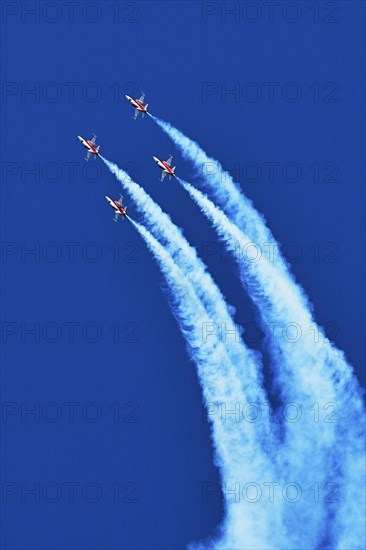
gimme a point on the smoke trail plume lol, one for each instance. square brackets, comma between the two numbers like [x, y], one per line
[308, 379]
[245, 525]
[311, 367]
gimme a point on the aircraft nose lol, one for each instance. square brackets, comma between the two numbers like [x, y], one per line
[80, 138]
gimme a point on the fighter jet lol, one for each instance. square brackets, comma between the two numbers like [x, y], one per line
[90, 146]
[119, 210]
[138, 105]
[165, 166]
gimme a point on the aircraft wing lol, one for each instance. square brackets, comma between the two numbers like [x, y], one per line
[136, 114]
[93, 140]
[142, 98]
[88, 155]
[116, 215]
[169, 161]
[120, 200]
[163, 176]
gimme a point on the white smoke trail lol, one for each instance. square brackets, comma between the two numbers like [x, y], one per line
[308, 378]
[241, 372]
[314, 369]
[219, 384]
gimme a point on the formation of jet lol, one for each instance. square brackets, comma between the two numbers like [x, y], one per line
[90, 145]
[119, 209]
[165, 166]
[138, 105]
[93, 149]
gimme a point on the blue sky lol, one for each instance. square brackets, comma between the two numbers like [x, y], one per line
[149, 437]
